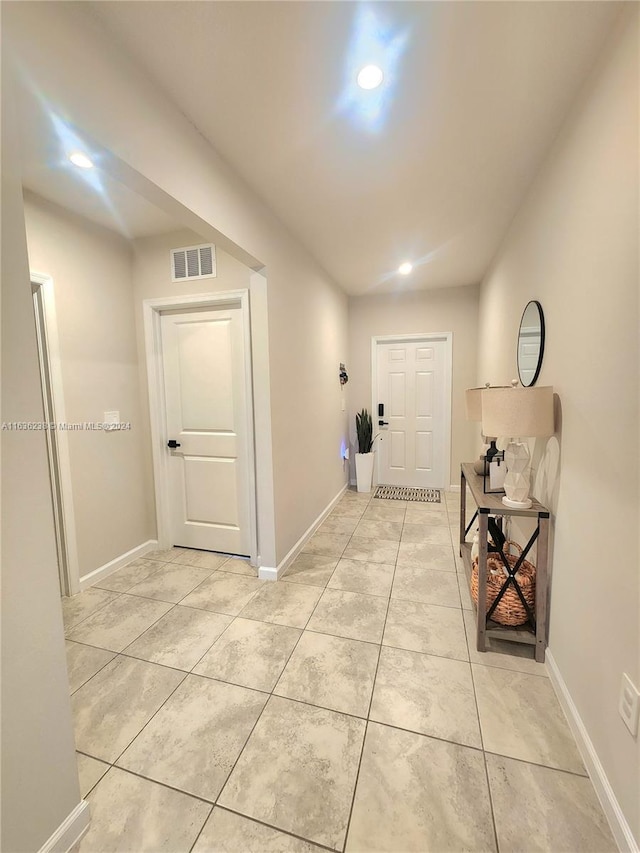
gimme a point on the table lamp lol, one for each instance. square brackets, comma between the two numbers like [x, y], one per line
[473, 400]
[513, 413]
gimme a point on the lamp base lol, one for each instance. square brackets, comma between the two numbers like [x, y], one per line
[517, 504]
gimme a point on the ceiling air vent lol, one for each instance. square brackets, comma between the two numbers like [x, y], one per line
[193, 262]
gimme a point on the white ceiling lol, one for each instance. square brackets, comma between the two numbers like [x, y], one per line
[92, 194]
[474, 95]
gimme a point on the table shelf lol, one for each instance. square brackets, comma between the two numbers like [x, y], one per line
[491, 504]
[494, 629]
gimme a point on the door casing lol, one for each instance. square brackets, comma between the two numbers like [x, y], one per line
[58, 453]
[447, 337]
[152, 311]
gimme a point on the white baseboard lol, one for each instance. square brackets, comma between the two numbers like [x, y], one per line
[70, 830]
[452, 488]
[610, 805]
[286, 561]
[113, 565]
[267, 573]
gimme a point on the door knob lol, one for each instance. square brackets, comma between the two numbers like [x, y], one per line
[383, 423]
[172, 443]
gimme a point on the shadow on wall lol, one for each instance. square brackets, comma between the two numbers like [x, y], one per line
[546, 464]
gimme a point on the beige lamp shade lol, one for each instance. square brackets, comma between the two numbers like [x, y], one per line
[473, 399]
[513, 412]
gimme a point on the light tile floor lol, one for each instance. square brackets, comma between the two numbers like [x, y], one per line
[344, 708]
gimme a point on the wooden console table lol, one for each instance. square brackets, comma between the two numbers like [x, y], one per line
[491, 504]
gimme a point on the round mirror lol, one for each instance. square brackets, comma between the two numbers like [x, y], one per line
[530, 343]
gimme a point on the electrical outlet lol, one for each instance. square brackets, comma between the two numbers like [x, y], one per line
[629, 704]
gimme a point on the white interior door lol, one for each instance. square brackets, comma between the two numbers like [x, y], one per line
[203, 358]
[413, 385]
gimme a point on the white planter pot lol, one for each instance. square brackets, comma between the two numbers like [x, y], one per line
[364, 471]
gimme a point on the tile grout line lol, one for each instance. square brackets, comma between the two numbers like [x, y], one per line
[276, 684]
[122, 652]
[584, 775]
[180, 683]
[484, 754]
[201, 830]
[118, 596]
[260, 715]
[199, 609]
[115, 655]
[186, 674]
[130, 657]
[152, 717]
[176, 604]
[373, 685]
[173, 604]
[89, 615]
[373, 689]
[174, 565]
[332, 710]
[233, 619]
[277, 829]
[109, 766]
[233, 616]
[477, 707]
[309, 704]
[96, 585]
[238, 615]
[162, 785]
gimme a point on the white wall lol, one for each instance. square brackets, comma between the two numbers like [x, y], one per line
[91, 269]
[120, 108]
[451, 310]
[152, 280]
[39, 775]
[574, 247]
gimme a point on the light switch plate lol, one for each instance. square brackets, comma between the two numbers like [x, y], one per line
[629, 705]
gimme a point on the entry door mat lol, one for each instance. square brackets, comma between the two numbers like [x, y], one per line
[404, 493]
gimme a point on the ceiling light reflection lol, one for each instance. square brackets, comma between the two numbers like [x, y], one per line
[370, 77]
[374, 44]
[80, 160]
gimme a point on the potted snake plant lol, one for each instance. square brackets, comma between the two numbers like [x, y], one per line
[364, 457]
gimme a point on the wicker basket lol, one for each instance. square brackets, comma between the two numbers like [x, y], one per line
[510, 610]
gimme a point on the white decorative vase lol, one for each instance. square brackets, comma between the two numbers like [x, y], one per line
[364, 471]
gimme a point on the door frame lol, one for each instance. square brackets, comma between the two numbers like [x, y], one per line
[152, 314]
[58, 455]
[447, 337]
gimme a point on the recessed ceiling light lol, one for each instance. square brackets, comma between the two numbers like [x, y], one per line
[370, 77]
[405, 268]
[80, 160]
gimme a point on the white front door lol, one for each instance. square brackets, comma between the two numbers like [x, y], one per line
[203, 357]
[413, 385]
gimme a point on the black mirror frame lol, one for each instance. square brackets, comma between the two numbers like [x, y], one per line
[542, 337]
